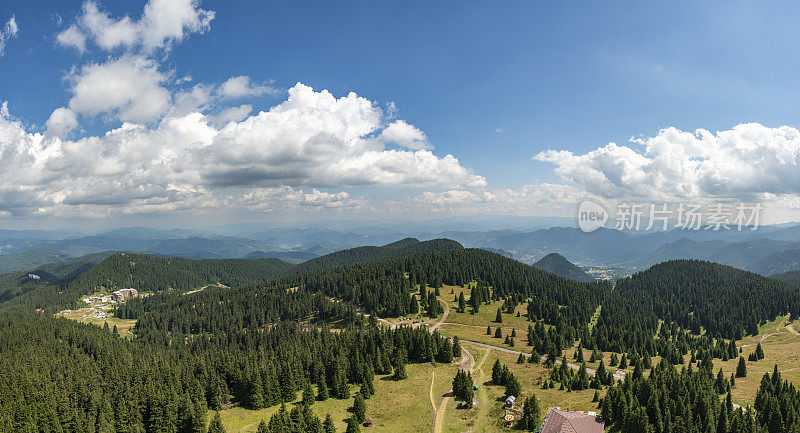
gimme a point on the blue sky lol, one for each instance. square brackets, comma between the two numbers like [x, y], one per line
[493, 85]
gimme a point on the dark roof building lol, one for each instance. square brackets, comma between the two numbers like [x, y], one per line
[564, 421]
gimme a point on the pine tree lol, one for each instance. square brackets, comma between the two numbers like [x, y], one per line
[308, 394]
[497, 373]
[531, 414]
[512, 385]
[722, 421]
[499, 317]
[456, 347]
[399, 371]
[759, 351]
[216, 424]
[262, 427]
[600, 373]
[352, 426]
[327, 426]
[741, 369]
[488, 330]
[322, 389]
[359, 409]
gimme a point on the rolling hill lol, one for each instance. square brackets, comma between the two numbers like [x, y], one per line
[158, 273]
[393, 250]
[701, 295]
[31, 259]
[557, 264]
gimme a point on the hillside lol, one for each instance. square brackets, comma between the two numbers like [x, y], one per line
[31, 258]
[792, 277]
[557, 264]
[159, 273]
[783, 261]
[393, 250]
[47, 276]
[289, 256]
[697, 296]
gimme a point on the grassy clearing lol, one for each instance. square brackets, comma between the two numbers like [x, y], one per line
[487, 415]
[396, 407]
[781, 345]
[486, 313]
[88, 314]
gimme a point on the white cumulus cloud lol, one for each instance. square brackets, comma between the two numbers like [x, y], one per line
[301, 152]
[241, 86]
[129, 88]
[61, 121]
[402, 134]
[162, 23]
[743, 163]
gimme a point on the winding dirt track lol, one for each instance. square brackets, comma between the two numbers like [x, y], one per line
[467, 363]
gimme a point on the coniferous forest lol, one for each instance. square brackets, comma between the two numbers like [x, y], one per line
[261, 345]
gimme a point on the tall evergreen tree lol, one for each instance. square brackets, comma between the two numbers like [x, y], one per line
[216, 424]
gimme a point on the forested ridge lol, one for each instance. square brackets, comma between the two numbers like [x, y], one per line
[68, 281]
[157, 274]
[693, 295]
[403, 247]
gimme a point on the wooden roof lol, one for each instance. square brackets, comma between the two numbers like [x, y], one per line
[562, 421]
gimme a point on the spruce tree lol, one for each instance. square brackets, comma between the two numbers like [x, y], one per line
[308, 394]
[623, 362]
[512, 385]
[497, 370]
[399, 371]
[216, 424]
[322, 389]
[359, 409]
[499, 317]
[531, 414]
[352, 426]
[327, 426]
[262, 427]
[741, 369]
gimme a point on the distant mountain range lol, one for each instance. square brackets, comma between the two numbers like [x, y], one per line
[768, 250]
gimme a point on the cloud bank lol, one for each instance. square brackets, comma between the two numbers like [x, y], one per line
[743, 163]
[311, 140]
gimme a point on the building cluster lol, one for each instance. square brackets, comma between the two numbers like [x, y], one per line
[123, 294]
